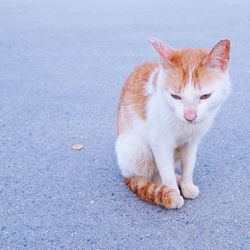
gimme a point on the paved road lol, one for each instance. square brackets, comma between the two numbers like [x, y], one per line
[62, 65]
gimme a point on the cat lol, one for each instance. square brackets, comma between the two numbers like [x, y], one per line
[165, 108]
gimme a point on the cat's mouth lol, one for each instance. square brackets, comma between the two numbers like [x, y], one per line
[193, 121]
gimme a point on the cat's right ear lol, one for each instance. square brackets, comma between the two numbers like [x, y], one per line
[219, 55]
[166, 52]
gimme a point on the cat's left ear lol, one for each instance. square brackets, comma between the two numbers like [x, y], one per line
[166, 52]
[219, 55]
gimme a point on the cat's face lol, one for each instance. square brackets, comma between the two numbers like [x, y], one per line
[198, 96]
[196, 81]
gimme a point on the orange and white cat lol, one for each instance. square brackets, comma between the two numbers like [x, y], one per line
[165, 108]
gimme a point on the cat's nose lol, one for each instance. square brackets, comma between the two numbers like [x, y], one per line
[190, 115]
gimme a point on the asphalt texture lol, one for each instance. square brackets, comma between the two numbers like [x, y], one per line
[62, 66]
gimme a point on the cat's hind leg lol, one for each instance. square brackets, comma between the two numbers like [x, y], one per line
[134, 156]
[137, 165]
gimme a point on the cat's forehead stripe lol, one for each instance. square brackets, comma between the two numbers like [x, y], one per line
[186, 68]
[190, 75]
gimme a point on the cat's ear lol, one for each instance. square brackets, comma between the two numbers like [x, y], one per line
[166, 52]
[219, 55]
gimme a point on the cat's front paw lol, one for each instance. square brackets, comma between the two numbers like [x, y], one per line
[189, 191]
[173, 200]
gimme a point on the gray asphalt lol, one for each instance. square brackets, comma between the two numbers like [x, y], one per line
[62, 65]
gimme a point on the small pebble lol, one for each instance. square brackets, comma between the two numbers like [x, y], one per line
[77, 146]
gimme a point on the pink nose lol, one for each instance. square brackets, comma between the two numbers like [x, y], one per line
[190, 115]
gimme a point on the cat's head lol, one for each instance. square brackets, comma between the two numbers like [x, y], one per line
[194, 81]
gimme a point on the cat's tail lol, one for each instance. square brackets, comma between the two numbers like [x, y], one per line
[156, 194]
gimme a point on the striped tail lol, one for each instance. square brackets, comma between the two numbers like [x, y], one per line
[156, 194]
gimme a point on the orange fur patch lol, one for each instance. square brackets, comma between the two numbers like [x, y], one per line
[185, 63]
[133, 95]
[190, 64]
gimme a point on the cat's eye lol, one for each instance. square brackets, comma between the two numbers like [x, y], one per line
[204, 97]
[176, 97]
